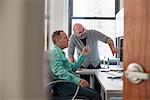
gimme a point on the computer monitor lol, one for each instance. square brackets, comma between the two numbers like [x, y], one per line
[119, 45]
[120, 34]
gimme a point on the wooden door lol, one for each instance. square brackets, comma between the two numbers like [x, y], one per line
[137, 46]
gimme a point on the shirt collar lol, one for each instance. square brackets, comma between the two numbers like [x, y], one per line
[58, 48]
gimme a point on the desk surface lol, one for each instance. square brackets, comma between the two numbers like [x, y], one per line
[84, 71]
[87, 71]
[110, 85]
[102, 76]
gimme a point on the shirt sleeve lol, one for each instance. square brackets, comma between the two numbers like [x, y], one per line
[100, 36]
[78, 62]
[60, 72]
[71, 47]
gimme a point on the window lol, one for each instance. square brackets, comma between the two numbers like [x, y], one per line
[94, 8]
[95, 14]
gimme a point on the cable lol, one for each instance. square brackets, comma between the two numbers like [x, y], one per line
[76, 93]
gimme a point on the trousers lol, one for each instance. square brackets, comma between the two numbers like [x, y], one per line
[87, 77]
[69, 89]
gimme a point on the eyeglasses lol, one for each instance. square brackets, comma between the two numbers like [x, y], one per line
[81, 31]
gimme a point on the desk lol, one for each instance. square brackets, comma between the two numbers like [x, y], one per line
[91, 73]
[110, 87]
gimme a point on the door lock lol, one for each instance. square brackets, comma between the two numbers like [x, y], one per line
[135, 73]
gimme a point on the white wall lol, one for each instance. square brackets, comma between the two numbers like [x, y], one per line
[121, 3]
[58, 15]
[21, 47]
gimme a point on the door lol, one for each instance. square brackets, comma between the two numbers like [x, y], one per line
[137, 46]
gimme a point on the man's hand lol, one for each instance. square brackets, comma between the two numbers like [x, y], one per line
[84, 83]
[114, 50]
[86, 50]
[112, 47]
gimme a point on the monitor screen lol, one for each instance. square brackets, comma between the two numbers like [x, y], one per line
[119, 45]
[121, 49]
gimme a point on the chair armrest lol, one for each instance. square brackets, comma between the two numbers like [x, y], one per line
[54, 82]
[57, 81]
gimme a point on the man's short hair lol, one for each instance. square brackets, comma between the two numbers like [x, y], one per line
[56, 35]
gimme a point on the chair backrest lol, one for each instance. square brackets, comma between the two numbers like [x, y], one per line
[47, 74]
[48, 80]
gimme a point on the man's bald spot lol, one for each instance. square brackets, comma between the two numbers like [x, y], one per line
[77, 26]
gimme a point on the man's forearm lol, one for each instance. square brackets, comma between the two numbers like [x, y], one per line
[111, 45]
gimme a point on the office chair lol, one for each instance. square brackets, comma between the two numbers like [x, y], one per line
[49, 84]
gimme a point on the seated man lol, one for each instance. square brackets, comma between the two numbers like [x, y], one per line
[62, 69]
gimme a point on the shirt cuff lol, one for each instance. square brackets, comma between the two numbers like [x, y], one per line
[77, 80]
[82, 56]
[108, 40]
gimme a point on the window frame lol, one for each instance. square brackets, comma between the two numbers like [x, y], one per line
[71, 17]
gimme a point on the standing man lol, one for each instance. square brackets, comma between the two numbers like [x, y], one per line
[83, 37]
[62, 69]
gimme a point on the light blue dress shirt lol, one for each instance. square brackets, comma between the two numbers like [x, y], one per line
[61, 68]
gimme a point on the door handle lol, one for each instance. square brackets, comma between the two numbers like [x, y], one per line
[135, 73]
